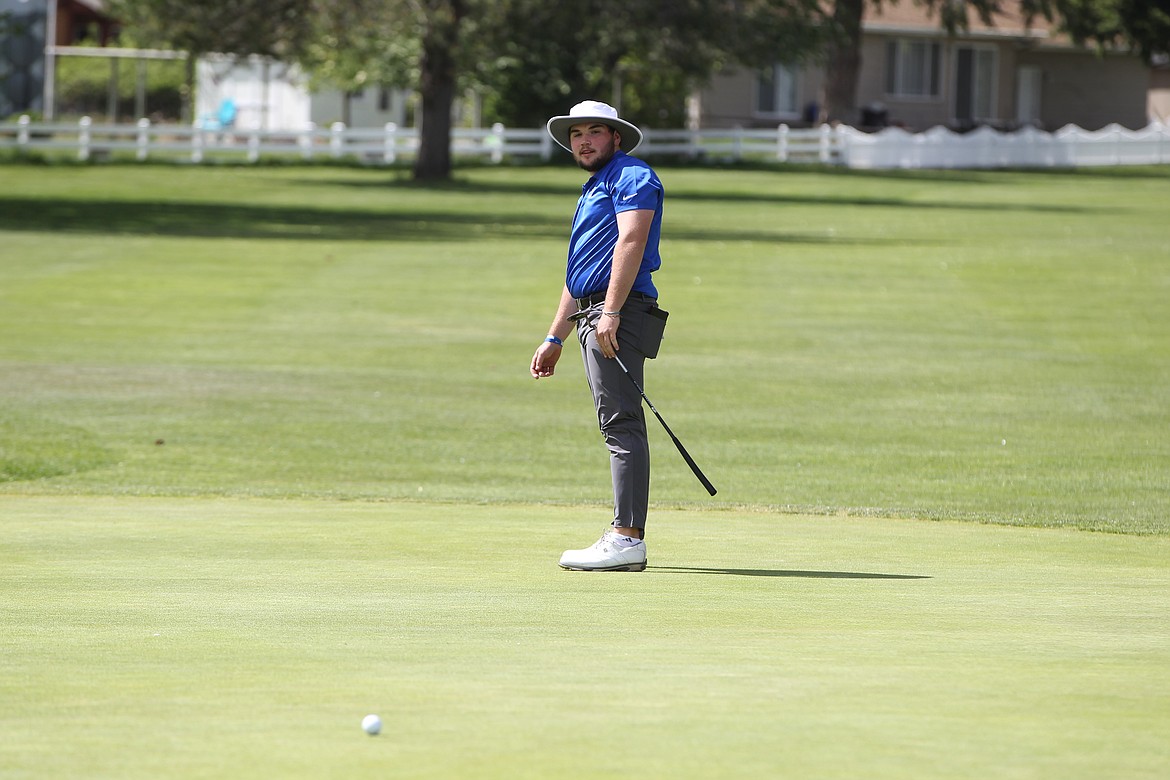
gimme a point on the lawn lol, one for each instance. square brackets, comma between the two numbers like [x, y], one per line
[270, 459]
[187, 638]
[988, 346]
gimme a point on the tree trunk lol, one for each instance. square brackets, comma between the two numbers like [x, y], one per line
[437, 83]
[844, 64]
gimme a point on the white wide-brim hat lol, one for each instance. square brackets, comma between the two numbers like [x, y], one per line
[592, 110]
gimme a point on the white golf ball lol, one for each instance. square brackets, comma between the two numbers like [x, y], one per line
[372, 724]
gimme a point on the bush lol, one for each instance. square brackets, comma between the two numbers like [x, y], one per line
[83, 88]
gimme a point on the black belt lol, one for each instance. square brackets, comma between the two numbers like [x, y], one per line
[599, 297]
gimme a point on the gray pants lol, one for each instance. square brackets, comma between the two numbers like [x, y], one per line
[619, 409]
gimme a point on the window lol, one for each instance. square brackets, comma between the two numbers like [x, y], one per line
[913, 68]
[776, 90]
[974, 84]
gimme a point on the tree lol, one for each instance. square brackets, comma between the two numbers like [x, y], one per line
[843, 61]
[535, 56]
[274, 28]
[400, 43]
[361, 43]
[644, 56]
[438, 75]
[1141, 26]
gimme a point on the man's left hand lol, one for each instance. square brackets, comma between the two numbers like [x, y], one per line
[607, 332]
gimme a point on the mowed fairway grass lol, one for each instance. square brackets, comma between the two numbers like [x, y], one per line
[270, 460]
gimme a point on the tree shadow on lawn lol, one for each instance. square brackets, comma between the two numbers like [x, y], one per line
[745, 196]
[232, 220]
[229, 220]
[820, 575]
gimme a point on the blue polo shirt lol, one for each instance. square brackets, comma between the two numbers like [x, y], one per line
[624, 184]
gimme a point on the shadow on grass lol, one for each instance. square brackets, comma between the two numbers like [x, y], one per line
[745, 196]
[231, 220]
[817, 575]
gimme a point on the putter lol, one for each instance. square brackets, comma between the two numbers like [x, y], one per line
[681, 449]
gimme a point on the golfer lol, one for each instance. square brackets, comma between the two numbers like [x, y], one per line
[609, 294]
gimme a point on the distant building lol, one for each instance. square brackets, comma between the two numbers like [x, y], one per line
[915, 76]
[272, 95]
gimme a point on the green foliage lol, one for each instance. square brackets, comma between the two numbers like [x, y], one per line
[83, 87]
[274, 28]
[1140, 25]
[530, 58]
[647, 56]
[360, 43]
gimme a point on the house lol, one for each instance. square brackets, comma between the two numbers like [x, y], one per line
[84, 20]
[913, 75]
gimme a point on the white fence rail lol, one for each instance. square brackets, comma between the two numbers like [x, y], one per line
[890, 148]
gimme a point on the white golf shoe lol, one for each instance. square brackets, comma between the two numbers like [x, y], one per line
[612, 552]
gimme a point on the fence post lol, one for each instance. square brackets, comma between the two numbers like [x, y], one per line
[390, 144]
[254, 146]
[337, 139]
[305, 141]
[196, 144]
[826, 144]
[495, 142]
[844, 144]
[83, 138]
[839, 141]
[143, 138]
[22, 133]
[782, 143]
[737, 146]
[546, 147]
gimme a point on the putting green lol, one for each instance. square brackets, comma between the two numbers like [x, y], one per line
[181, 638]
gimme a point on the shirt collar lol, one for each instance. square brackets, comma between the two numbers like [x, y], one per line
[598, 175]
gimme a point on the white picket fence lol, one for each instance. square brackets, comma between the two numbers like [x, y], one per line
[1068, 147]
[891, 148]
[391, 143]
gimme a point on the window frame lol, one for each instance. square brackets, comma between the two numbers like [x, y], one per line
[979, 51]
[896, 80]
[773, 76]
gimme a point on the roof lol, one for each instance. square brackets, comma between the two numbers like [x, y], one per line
[913, 19]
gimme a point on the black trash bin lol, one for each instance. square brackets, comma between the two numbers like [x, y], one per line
[875, 115]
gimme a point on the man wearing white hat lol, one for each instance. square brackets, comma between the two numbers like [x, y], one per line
[609, 294]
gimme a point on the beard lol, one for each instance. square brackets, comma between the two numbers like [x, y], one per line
[600, 160]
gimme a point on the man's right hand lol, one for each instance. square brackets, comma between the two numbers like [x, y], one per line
[544, 362]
